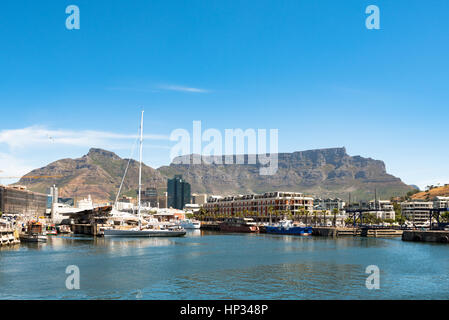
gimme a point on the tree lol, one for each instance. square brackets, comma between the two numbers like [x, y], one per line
[335, 211]
[444, 216]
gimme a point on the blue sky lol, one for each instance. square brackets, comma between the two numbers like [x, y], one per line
[308, 68]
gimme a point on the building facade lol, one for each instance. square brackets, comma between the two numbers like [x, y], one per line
[199, 199]
[417, 211]
[20, 201]
[441, 203]
[382, 209]
[329, 204]
[261, 204]
[178, 192]
[150, 198]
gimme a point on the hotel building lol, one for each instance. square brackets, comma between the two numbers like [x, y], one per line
[417, 211]
[260, 203]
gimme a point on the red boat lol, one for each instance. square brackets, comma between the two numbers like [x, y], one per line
[239, 225]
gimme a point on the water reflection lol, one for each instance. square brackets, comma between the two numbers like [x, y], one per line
[210, 265]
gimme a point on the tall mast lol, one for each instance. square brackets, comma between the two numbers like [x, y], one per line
[140, 171]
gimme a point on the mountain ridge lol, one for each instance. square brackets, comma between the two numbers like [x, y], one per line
[322, 172]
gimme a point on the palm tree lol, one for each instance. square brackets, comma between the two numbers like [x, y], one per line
[307, 217]
[335, 211]
[270, 211]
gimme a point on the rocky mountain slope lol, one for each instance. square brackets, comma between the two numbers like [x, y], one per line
[99, 174]
[324, 172]
[442, 191]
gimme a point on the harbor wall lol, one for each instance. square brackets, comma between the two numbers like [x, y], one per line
[426, 236]
[361, 232]
[8, 237]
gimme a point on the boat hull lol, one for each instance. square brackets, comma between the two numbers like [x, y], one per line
[32, 238]
[238, 228]
[190, 226]
[143, 233]
[295, 231]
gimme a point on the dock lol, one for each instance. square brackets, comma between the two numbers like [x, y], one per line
[369, 232]
[438, 236]
[210, 226]
[8, 237]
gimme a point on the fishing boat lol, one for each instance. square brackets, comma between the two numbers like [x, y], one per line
[51, 230]
[189, 224]
[239, 225]
[151, 230]
[287, 227]
[34, 233]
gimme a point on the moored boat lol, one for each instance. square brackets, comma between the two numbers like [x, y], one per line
[51, 230]
[152, 229]
[288, 228]
[189, 224]
[239, 225]
[34, 233]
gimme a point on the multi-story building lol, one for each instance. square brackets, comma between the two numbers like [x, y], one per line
[178, 192]
[417, 211]
[18, 200]
[150, 198]
[163, 201]
[441, 202]
[261, 204]
[382, 209]
[329, 204]
[199, 199]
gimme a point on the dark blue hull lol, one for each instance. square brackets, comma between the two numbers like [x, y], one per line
[296, 231]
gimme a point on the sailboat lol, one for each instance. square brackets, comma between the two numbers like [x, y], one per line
[139, 231]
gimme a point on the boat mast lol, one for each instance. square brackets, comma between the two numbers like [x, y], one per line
[140, 172]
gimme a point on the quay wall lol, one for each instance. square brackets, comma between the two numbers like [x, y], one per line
[355, 232]
[426, 236]
[8, 237]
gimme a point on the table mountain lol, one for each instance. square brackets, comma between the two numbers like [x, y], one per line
[324, 172]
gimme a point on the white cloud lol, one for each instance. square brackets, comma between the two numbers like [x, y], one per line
[40, 136]
[12, 167]
[183, 89]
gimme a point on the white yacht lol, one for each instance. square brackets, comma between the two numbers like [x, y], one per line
[150, 230]
[189, 224]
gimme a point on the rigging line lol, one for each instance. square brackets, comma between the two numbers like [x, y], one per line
[126, 171]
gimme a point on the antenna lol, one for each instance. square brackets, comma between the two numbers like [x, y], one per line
[140, 171]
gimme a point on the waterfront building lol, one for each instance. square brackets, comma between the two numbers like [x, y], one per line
[329, 204]
[150, 197]
[260, 204]
[382, 209]
[163, 201]
[441, 202]
[85, 204]
[199, 199]
[17, 200]
[192, 208]
[417, 211]
[178, 192]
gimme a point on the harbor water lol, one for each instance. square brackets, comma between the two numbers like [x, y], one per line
[208, 265]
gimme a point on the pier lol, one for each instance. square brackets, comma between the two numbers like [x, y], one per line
[364, 231]
[439, 236]
[8, 237]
